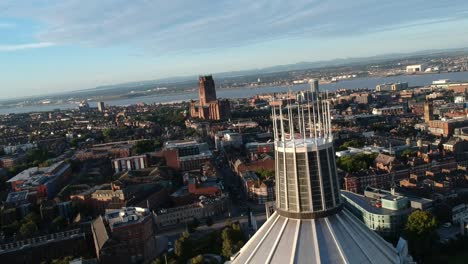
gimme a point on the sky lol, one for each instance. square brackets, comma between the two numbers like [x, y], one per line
[49, 46]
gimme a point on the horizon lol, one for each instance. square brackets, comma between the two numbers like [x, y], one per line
[184, 78]
[52, 47]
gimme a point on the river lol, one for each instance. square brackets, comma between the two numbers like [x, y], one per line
[245, 92]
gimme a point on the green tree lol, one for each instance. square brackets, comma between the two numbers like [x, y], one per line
[3, 183]
[227, 248]
[352, 143]
[74, 143]
[59, 223]
[109, 134]
[32, 217]
[265, 173]
[356, 163]
[197, 260]
[190, 132]
[37, 156]
[10, 229]
[420, 231]
[408, 153]
[157, 261]
[232, 237]
[64, 260]
[181, 246]
[28, 229]
[157, 143]
[144, 146]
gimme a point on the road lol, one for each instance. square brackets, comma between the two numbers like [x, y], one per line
[237, 208]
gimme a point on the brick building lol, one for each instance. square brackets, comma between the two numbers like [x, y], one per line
[124, 235]
[447, 127]
[186, 155]
[45, 182]
[209, 107]
[262, 191]
[130, 163]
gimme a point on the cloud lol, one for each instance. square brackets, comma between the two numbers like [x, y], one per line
[187, 26]
[25, 46]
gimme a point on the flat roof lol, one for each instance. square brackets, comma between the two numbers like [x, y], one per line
[303, 142]
[17, 196]
[125, 216]
[366, 204]
[181, 143]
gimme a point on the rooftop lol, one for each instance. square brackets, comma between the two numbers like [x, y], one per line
[367, 204]
[14, 197]
[304, 142]
[37, 176]
[180, 143]
[125, 216]
[339, 238]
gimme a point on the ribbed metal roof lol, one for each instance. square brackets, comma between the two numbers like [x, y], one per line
[339, 238]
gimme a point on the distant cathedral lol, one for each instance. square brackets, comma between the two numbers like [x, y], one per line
[209, 107]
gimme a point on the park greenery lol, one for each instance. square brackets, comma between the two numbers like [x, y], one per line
[264, 174]
[420, 231]
[189, 248]
[167, 116]
[144, 146]
[352, 164]
[352, 143]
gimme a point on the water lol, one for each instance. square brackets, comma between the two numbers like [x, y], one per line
[245, 92]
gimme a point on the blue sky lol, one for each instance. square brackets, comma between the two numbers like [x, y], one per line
[49, 46]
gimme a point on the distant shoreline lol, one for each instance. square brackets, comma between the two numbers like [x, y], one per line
[245, 92]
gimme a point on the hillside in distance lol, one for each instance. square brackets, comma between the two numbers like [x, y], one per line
[184, 83]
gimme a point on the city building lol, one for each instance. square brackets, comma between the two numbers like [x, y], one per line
[101, 106]
[8, 162]
[385, 213]
[186, 155]
[314, 89]
[266, 163]
[459, 99]
[130, 163]
[393, 110]
[125, 235]
[183, 214]
[12, 149]
[394, 87]
[228, 139]
[45, 181]
[45, 248]
[446, 128]
[310, 224]
[406, 94]
[262, 191]
[205, 188]
[459, 213]
[362, 98]
[209, 107]
[103, 199]
[118, 149]
[415, 68]
[458, 87]
[428, 111]
[259, 148]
